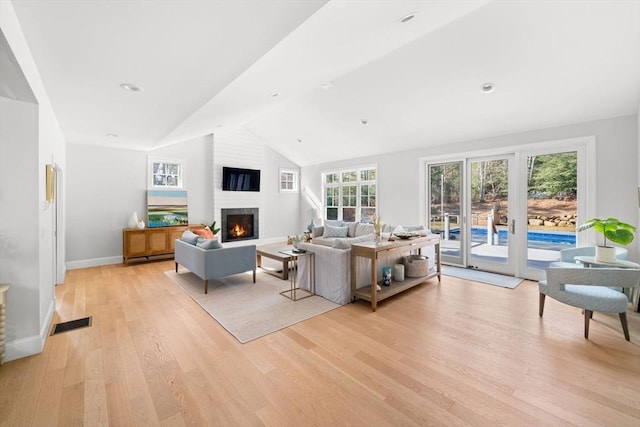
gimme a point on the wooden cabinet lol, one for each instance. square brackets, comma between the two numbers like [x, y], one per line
[386, 249]
[151, 242]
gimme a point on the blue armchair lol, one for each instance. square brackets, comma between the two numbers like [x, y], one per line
[590, 289]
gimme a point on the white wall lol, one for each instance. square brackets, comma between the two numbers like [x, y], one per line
[279, 212]
[30, 138]
[198, 173]
[19, 233]
[105, 185]
[616, 171]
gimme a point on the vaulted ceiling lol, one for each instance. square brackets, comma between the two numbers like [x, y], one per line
[306, 75]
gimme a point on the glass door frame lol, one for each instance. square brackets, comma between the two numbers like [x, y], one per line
[585, 195]
[508, 267]
[460, 260]
[585, 146]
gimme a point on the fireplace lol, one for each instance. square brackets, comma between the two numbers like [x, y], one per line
[239, 224]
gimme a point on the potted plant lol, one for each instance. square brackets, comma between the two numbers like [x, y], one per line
[213, 228]
[614, 230]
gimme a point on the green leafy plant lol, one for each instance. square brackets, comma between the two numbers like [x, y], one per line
[612, 229]
[213, 228]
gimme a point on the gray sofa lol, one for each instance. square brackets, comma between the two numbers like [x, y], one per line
[213, 263]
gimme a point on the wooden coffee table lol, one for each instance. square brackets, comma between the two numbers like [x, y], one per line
[274, 252]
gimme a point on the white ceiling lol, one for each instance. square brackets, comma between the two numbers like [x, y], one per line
[206, 65]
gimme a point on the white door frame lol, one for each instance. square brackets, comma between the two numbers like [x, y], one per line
[585, 146]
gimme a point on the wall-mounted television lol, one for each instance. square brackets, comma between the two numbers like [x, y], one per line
[237, 179]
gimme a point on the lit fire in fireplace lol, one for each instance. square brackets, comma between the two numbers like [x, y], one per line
[237, 231]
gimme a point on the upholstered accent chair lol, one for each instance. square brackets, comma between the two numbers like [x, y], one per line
[211, 264]
[591, 290]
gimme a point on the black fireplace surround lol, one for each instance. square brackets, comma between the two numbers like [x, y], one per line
[239, 224]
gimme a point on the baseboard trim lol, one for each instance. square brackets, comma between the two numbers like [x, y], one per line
[29, 346]
[97, 262]
[93, 262]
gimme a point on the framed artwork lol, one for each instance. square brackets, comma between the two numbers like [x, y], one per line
[288, 180]
[165, 173]
[166, 208]
[50, 182]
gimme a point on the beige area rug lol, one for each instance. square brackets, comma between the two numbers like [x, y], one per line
[250, 310]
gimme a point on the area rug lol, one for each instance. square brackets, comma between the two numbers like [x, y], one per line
[250, 310]
[482, 276]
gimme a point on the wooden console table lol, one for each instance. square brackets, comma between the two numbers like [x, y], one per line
[390, 249]
[151, 242]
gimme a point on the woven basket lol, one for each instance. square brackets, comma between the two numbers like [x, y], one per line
[416, 265]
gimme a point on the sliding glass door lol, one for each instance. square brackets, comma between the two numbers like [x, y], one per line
[493, 222]
[445, 209]
[511, 213]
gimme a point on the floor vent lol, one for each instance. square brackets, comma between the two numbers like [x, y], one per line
[71, 325]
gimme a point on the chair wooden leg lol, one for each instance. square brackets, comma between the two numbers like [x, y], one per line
[541, 306]
[254, 276]
[625, 328]
[176, 267]
[588, 314]
[206, 286]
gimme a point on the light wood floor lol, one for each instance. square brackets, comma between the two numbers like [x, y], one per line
[457, 353]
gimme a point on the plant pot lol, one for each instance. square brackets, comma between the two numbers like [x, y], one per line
[605, 254]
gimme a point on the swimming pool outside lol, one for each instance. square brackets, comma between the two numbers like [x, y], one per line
[480, 233]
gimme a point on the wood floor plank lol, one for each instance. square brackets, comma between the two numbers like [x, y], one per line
[453, 353]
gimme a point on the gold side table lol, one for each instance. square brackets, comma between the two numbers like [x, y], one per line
[3, 315]
[295, 293]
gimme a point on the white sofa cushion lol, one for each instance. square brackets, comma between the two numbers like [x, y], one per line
[346, 243]
[363, 229]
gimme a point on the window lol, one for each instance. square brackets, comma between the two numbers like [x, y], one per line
[350, 195]
[288, 181]
[165, 173]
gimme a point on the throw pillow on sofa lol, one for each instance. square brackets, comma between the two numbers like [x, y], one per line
[204, 232]
[208, 243]
[363, 229]
[189, 237]
[330, 231]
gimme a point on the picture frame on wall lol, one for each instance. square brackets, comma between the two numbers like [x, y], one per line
[165, 173]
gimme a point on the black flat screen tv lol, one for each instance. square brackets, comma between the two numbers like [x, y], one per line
[237, 179]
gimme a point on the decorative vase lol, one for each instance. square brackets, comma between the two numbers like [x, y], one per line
[398, 272]
[311, 225]
[140, 225]
[133, 220]
[605, 254]
[386, 276]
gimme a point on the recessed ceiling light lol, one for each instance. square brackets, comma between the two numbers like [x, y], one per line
[407, 17]
[299, 140]
[274, 94]
[487, 87]
[113, 135]
[130, 87]
[364, 122]
[326, 85]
